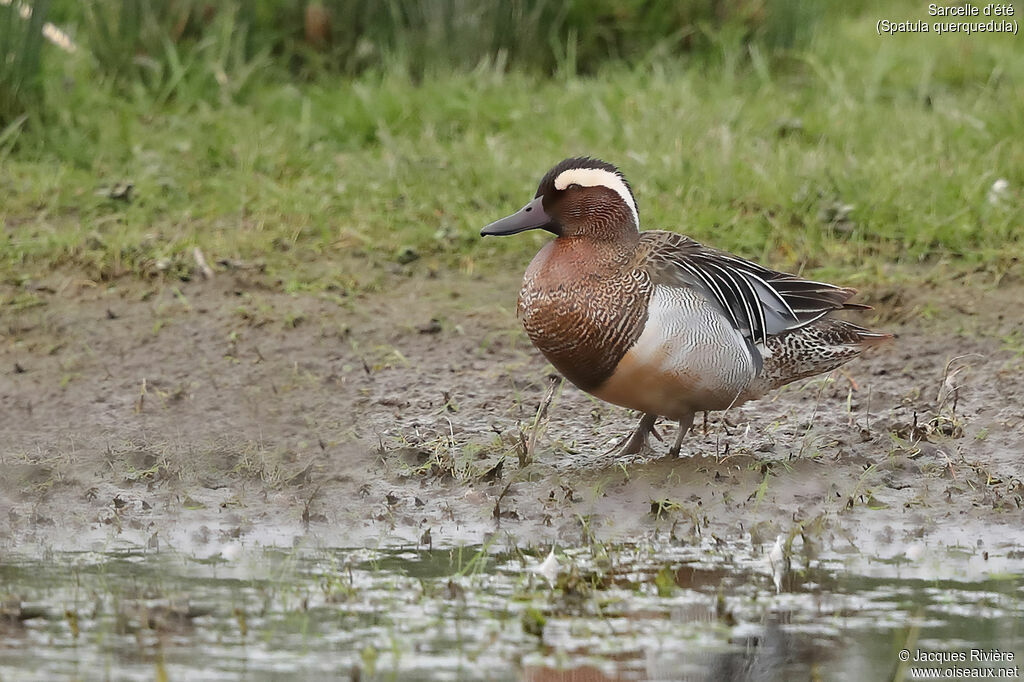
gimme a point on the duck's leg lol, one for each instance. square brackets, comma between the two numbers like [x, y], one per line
[637, 441]
[685, 424]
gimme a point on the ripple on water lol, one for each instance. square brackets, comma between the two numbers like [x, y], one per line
[614, 612]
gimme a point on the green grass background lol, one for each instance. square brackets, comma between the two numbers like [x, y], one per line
[841, 153]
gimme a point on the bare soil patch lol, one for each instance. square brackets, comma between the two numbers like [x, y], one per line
[207, 414]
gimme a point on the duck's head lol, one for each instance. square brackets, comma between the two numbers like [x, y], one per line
[578, 197]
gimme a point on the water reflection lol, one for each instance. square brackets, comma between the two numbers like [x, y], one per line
[614, 613]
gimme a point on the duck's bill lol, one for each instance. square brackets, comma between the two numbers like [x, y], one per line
[529, 217]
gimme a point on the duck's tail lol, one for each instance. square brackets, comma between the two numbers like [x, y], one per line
[817, 348]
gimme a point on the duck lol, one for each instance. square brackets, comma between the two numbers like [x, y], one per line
[654, 321]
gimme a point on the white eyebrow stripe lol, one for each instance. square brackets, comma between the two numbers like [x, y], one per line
[595, 177]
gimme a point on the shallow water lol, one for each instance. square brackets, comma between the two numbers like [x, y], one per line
[653, 610]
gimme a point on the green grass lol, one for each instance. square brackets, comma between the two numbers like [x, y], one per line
[857, 154]
[133, 39]
[21, 42]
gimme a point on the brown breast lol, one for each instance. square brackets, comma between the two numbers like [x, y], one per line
[583, 305]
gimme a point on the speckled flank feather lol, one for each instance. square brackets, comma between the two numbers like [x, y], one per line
[807, 351]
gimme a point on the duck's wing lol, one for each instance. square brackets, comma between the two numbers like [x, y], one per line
[757, 301]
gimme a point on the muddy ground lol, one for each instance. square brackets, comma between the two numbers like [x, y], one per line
[208, 415]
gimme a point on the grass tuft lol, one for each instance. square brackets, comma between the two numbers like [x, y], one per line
[21, 40]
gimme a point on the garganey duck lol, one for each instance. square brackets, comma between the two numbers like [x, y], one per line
[657, 322]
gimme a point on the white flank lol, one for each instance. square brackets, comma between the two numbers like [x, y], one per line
[688, 358]
[598, 177]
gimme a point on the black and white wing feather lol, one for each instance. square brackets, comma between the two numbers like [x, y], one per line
[757, 301]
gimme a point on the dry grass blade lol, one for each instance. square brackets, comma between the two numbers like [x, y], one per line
[201, 263]
[948, 389]
[526, 454]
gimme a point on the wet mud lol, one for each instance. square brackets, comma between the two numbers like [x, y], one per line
[159, 410]
[220, 420]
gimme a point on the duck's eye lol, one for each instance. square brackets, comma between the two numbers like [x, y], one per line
[574, 186]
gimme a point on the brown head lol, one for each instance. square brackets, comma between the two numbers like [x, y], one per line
[580, 197]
